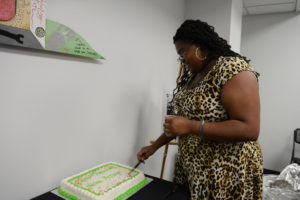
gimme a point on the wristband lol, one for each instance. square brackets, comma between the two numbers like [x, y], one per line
[201, 128]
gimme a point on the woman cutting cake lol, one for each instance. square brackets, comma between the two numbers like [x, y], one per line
[218, 118]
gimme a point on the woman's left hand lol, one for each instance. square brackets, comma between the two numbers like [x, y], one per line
[177, 126]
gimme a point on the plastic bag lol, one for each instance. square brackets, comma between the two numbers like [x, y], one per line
[286, 185]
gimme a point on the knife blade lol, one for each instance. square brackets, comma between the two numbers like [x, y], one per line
[135, 167]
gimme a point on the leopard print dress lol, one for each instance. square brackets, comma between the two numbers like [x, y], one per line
[211, 169]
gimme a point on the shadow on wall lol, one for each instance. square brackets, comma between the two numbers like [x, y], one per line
[147, 110]
[146, 117]
[149, 114]
[47, 54]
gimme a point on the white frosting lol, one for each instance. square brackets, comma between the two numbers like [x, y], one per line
[108, 180]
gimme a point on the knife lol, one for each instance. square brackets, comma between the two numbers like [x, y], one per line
[135, 167]
[140, 161]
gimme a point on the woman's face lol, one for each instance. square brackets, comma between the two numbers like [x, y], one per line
[192, 56]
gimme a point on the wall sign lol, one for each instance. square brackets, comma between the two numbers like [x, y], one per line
[23, 23]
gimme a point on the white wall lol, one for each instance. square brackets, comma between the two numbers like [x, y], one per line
[272, 43]
[236, 25]
[215, 12]
[63, 114]
[224, 15]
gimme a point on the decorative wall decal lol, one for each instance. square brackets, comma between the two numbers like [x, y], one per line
[23, 23]
[62, 39]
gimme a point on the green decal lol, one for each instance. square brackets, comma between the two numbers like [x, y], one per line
[61, 38]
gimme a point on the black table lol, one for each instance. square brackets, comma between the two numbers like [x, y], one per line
[157, 189]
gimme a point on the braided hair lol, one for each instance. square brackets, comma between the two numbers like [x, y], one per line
[203, 35]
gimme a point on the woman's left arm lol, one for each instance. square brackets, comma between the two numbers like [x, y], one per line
[240, 98]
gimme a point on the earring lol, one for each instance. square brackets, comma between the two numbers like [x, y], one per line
[196, 54]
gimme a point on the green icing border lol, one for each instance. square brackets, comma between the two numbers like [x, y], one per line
[70, 196]
[132, 190]
[122, 196]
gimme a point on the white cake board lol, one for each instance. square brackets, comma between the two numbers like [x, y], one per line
[55, 191]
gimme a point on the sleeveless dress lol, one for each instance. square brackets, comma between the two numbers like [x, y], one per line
[211, 169]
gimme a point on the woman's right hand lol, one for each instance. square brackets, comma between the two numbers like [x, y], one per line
[146, 152]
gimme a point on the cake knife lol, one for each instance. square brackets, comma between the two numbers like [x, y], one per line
[135, 167]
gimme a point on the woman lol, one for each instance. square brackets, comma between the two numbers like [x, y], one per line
[218, 118]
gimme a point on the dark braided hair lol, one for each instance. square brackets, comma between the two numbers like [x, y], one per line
[203, 35]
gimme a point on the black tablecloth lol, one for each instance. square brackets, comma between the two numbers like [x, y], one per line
[157, 189]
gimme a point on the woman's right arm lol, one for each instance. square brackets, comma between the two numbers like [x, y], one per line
[147, 151]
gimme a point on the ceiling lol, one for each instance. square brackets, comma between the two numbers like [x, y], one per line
[256, 7]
